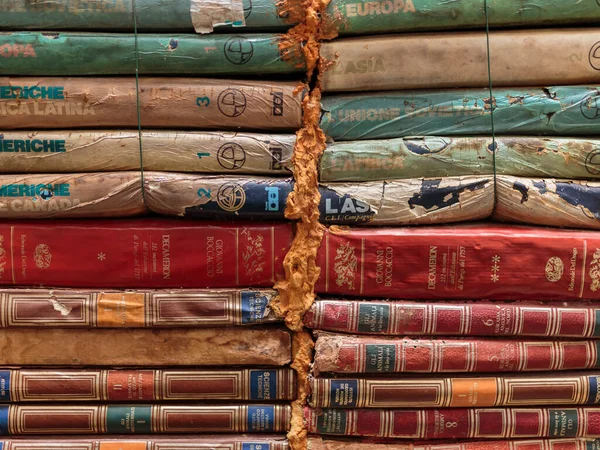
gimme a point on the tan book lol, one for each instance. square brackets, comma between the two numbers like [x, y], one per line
[177, 103]
[452, 60]
[141, 347]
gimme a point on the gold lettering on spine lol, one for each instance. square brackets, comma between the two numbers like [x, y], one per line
[432, 272]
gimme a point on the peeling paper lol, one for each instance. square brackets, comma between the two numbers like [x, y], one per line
[207, 14]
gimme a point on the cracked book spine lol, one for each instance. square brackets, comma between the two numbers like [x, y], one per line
[402, 202]
[155, 253]
[150, 442]
[348, 17]
[143, 419]
[461, 262]
[548, 201]
[81, 54]
[264, 346]
[187, 16]
[341, 353]
[328, 443]
[60, 151]
[456, 318]
[467, 423]
[62, 308]
[515, 58]
[120, 385]
[175, 103]
[438, 157]
[457, 392]
[559, 111]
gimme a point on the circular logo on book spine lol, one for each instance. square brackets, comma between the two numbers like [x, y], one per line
[231, 156]
[554, 269]
[232, 102]
[231, 197]
[238, 50]
[595, 56]
[42, 256]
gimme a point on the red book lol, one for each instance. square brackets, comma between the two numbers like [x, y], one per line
[471, 261]
[341, 353]
[327, 443]
[456, 392]
[142, 253]
[468, 423]
[456, 318]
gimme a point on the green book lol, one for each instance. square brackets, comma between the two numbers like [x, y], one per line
[173, 15]
[74, 54]
[389, 16]
[564, 110]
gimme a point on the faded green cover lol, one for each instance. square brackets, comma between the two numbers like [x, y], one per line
[72, 54]
[566, 110]
[385, 16]
[437, 157]
[173, 15]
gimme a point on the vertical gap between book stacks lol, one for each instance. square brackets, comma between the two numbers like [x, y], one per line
[137, 100]
[491, 89]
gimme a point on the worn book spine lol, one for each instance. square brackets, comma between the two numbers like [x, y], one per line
[515, 58]
[153, 253]
[327, 443]
[28, 53]
[171, 151]
[477, 318]
[142, 419]
[461, 262]
[341, 353]
[150, 442]
[52, 385]
[415, 201]
[159, 348]
[135, 309]
[547, 201]
[185, 16]
[75, 195]
[388, 16]
[461, 423]
[433, 156]
[561, 111]
[460, 392]
[175, 103]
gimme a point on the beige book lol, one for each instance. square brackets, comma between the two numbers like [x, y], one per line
[452, 60]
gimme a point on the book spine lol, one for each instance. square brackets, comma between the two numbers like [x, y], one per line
[474, 423]
[264, 346]
[457, 112]
[52, 102]
[29, 53]
[326, 443]
[142, 419]
[510, 390]
[77, 195]
[135, 309]
[390, 203]
[478, 318]
[434, 157]
[150, 14]
[121, 253]
[92, 151]
[24, 385]
[351, 17]
[561, 203]
[407, 202]
[336, 353]
[472, 262]
[515, 58]
[149, 442]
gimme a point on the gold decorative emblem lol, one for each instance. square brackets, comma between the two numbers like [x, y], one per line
[254, 254]
[554, 269]
[2, 257]
[42, 256]
[231, 197]
[346, 264]
[595, 271]
[495, 268]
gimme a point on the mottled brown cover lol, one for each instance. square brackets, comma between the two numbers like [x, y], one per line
[184, 347]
